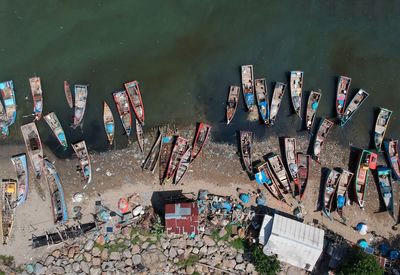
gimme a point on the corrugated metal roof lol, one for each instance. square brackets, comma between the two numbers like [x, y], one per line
[181, 218]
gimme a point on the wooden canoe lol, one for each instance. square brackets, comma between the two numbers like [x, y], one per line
[84, 161]
[262, 99]
[178, 150]
[3, 121]
[276, 101]
[353, 106]
[323, 130]
[330, 187]
[81, 95]
[121, 100]
[109, 123]
[264, 176]
[68, 94]
[367, 160]
[7, 213]
[231, 106]
[246, 142]
[21, 169]
[33, 145]
[342, 93]
[140, 135]
[381, 124]
[55, 126]
[183, 165]
[167, 143]
[303, 166]
[135, 97]
[290, 156]
[343, 185]
[151, 160]
[10, 106]
[279, 171]
[386, 189]
[37, 96]
[312, 107]
[392, 154]
[200, 138]
[248, 87]
[296, 90]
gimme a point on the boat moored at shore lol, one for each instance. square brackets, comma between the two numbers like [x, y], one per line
[200, 139]
[140, 135]
[33, 145]
[386, 189]
[303, 166]
[121, 100]
[55, 126]
[81, 95]
[296, 90]
[4, 131]
[353, 106]
[392, 154]
[323, 130]
[342, 93]
[367, 160]
[109, 123]
[290, 155]
[248, 87]
[279, 172]
[262, 99]
[312, 107]
[167, 144]
[21, 168]
[276, 101]
[178, 150]
[330, 187]
[68, 94]
[381, 124]
[246, 143]
[233, 100]
[10, 106]
[37, 96]
[343, 186]
[85, 167]
[7, 208]
[135, 97]
[264, 177]
[150, 162]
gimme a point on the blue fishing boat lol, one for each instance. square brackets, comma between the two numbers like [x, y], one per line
[3, 121]
[21, 168]
[353, 106]
[262, 99]
[385, 186]
[10, 105]
[55, 126]
[392, 154]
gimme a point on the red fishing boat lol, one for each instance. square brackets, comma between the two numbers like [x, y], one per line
[200, 139]
[135, 97]
[178, 150]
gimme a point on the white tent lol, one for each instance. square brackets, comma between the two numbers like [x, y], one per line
[293, 242]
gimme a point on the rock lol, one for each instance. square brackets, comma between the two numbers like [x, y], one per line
[96, 252]
[229, 264]
[85, 267]
[145, 245]
[137, 210]
[240, 267]
[190, 242]
[76, 267]
[39, 268]
[68, 268]
[180, 251]
[135, 249]
[89, 245]
[107, 266]
[119, 265]
[164, 244]
[195, 250]
[180, 243]
[203, 250]
[172, 253]
[49, 260]
[189, 270]
[115, 256]
[57, 270]
[30, 268]
[87, 256]
[129, 262]
[126, 254]
[56, 253]
[104, 254]
[111, 237]
[126, 231]
[151, 247]
[101, 240]
[78, 257]
[95, 271]
[136, 259]
[239, 258]
[222, 232]
[250, 268]
[208, 241]
[96, 261]
[212, 250]
[71, 252]
[153, 259]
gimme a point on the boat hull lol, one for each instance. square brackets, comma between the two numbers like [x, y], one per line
[21, 169]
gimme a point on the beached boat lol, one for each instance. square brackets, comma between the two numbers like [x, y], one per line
[248, 87]
[21, 168]
[183, 164]
[296, 90]
[330, 187]
[290, 155]
[3, 121]
[133, 91]
[264, 177]
[33, 146]
[262, 99]
[392, 154]
[68, 94]
[303, 166]
[353, 106]
[246, 142]
[386, 189]
[8, 202]
[56, 128]
[342, 92]
[231, 106]
[121, 100]
[167, 143]
[279, 171]
[85, 166]
[312, 107]
[277, 96]
[323, 130]
[8, 94]
[380, 127]
[178, 150]
[140, 135]
[367, 161]
[200, 138]
[151, 160]
[81, 94]
[37, 96]
[343, 185]
[109, 124]
[60, 214]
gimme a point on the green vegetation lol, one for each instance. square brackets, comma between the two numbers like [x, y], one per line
[118, 246]
[265, 265]
[239, 244]
[360, 263]
[215, 234]
[6, 260]
[189, 261]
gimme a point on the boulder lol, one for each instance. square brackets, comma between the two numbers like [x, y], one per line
[107, 266]
[89, 245]
[126, 254]
[172, 253]
[56, 253]
[135, 249]
[195, 250]
[189, 270]
[85, 267]
[115, 256]
[119, 265]
[49, 260]
[208, 240]
[145, 245]
[203, 250]
[39, 268]
[87, 256]
[129, 262]
[96, 261]
[96, 252]
[101, 240]
[71, 252]
[212, 250]
[180, 243]
[250, 268]
[239, 258]
[76, 267]
[95, 271]
[57, 270]
[222, 232]
[104, 254]
[240, 267]
[136, 259]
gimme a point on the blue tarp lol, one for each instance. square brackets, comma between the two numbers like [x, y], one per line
[61, 136]
[384, 249]
[262, 178]
[9, 102]
[314, 106]
[394, 254]
[363, 243]
[261, 201]
[341, 200]
[110, 128]
[245, 198]
[166, 139]
[249, 98]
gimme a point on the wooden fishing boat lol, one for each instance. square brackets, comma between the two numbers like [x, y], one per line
[60, 214]
[233, 99]
[81, 94]
[246, 142]
[380, 127]
[33, 146]
[312, 107]
[392, 154]
[296, 90]
[353, 106]
[183, 165]
[37, 96]
[279, 171]
[10, 105]
[248, 87]
[109, 124]
[367, 161]
[140, 135]
[21, 168]
[342, 92]
[68, 94]
[121, 100]
[133, 91]
[85, 166]
[200, 138]
[152, 158]
[323, 130]
[290, 155]
[3, 121]
[330, 187]
[262, 99]
[303, 166]
[277, 96]
[178, 150]
[343, 185]
[264, 177]
[8, 202]
[56, 128]
[386, 189]
[167, 143]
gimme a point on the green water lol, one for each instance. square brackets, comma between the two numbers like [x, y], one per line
[185, 54]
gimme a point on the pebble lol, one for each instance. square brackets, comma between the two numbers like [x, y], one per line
[89, 245]
[208, 241]
[135, 249]
[96, 252]
[136, 259]
[115, 256]
[85, 267]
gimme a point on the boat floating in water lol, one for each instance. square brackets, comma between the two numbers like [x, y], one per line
[381, 124]
[290, 155]
[109, 124]
[81, 94]
[8, 94]
[133, 91]
[21, 168]
[3, 121]
[279, 172]
[312, 107]
[183, 164]
[33, 146]
[330, 187]
[151, 160]
[342, 93]
[37, 95]
[56, 128]
[231, 106]
[246, 142]
[341, 194]
[85, 166]
[392, 154]
[121, 100]
[248, 87]
[353, 106]
[200, 138]
[303, 166]
[323, 130]
[9, 201]
[178, 150]
[386, 189]
[140, 135]
[276, 101]
[262, 99]
[68, 94]
[264, 177]
[367, 161]
[296, 90]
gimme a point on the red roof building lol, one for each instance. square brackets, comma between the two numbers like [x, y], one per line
[182, 218]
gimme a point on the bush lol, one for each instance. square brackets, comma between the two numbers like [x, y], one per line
[265, 265]
[360, 263]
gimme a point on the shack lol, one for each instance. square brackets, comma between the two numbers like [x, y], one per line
[182, 218]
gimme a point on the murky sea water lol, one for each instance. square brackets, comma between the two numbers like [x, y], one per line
[186, 54]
